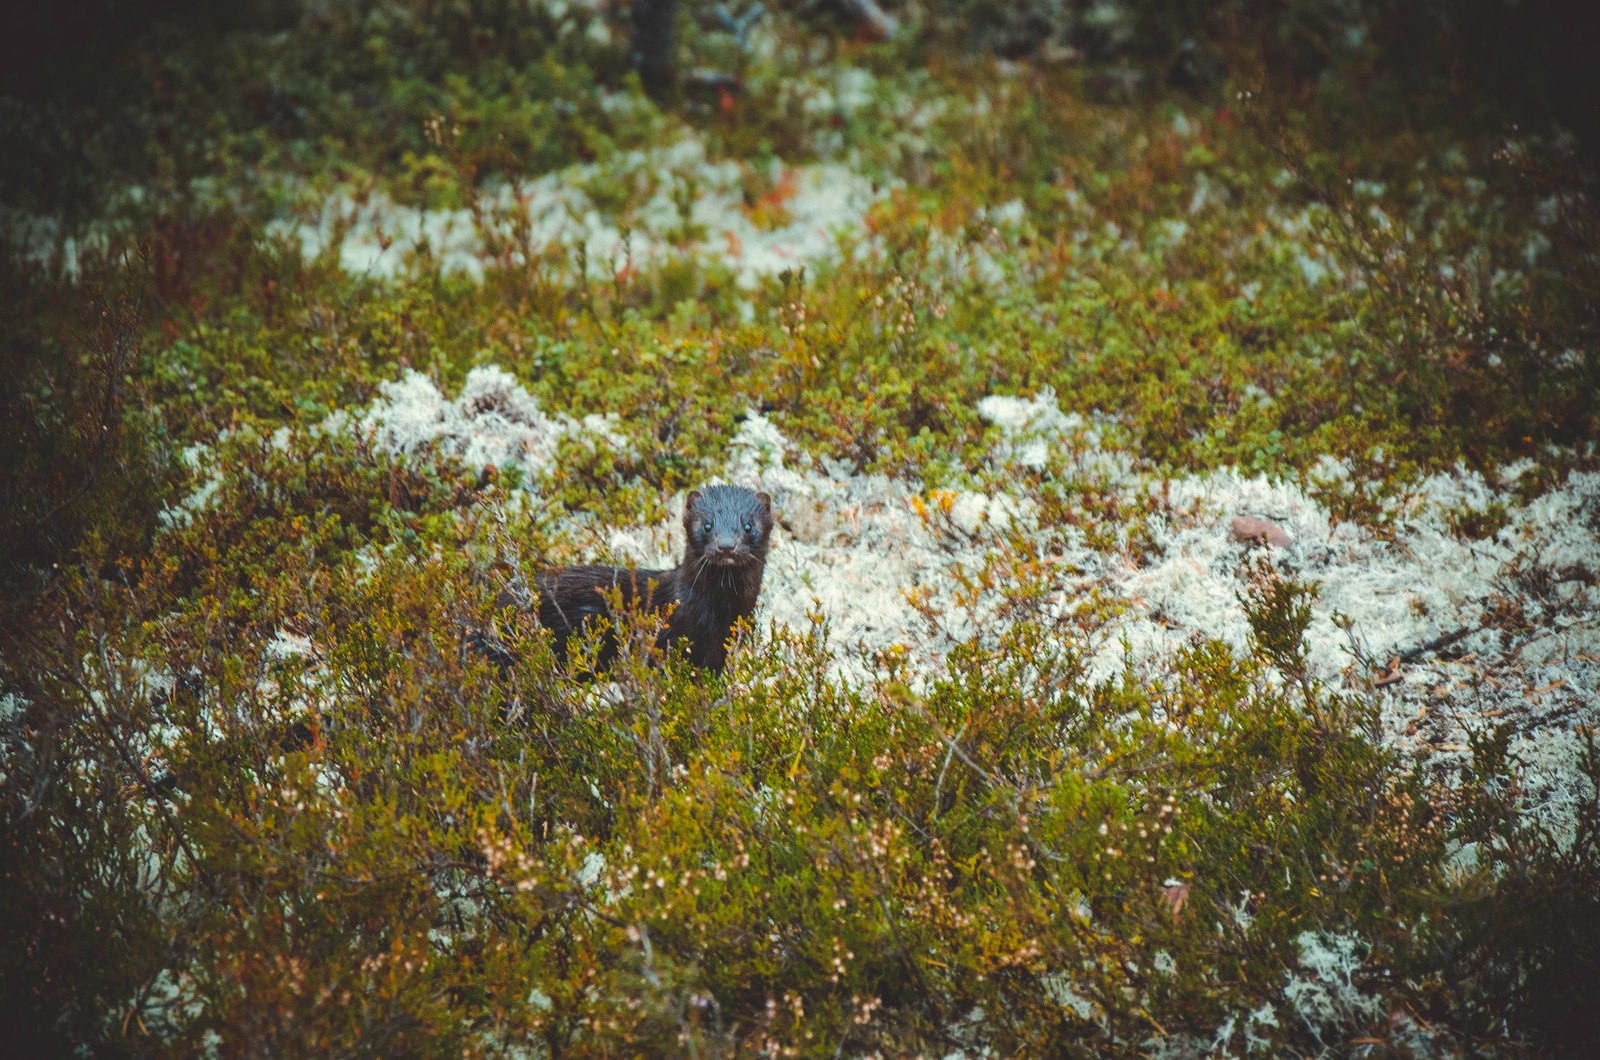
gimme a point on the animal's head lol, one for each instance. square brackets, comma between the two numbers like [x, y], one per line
[728, 525]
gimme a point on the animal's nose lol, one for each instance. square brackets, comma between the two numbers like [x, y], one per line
[726, 548]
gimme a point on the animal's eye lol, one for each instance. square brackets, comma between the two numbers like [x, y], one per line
[747, 527]
[706, 526]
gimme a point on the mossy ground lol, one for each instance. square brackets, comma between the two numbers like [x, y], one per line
[261, 794]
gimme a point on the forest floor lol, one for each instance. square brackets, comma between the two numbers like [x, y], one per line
[1181, 633]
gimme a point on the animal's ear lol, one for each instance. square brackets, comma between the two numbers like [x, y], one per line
[764, 502]
[690, 503]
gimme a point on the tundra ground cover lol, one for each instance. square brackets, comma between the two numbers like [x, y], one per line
[1030, 750]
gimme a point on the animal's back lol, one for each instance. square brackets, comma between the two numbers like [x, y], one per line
[570, 598]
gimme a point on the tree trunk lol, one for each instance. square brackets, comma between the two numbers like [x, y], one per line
[653, 44]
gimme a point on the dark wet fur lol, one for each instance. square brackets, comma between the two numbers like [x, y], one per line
[717, 583]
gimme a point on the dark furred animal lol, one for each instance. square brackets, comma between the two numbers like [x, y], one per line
[728, 530]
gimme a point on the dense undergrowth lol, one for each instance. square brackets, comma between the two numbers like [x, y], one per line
[262, 796]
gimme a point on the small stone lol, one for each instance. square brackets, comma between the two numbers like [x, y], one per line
[1251, 528]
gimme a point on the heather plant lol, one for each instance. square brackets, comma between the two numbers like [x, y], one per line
[373, 837]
